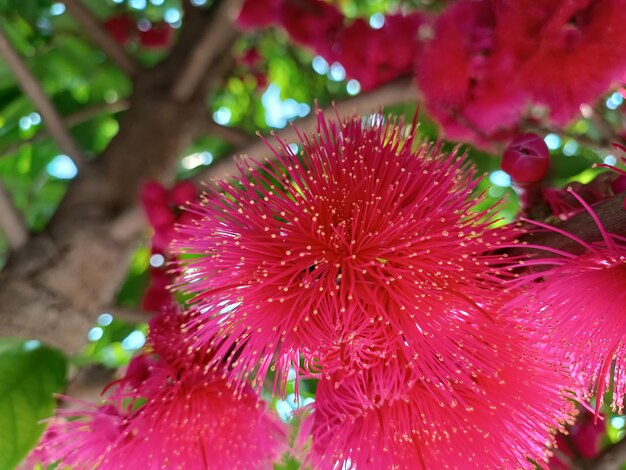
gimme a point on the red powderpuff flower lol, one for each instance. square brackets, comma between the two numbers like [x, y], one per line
[577, 50]
[171, 412]
[509, 416]
[190, 419]
[366, 247]
[196, 421]
[581, 306]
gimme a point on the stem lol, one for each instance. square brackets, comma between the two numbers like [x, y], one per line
[70, 121]
[93, 28]
[33, 89]
[11, 222]
[216, 37]
[611, 458]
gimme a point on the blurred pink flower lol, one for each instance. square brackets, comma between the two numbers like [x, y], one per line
[80, 436]
[573, 50]
[312, 23]
[488, 60]
[466, 76]
[259, 13]
[162, 208]
[372, 56]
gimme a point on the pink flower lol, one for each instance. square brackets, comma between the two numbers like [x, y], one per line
[79, 437]
[465, 74]
[259, 13]
[162, 209]
[580, 308]
[372, 56]
[508, 416]
[196, 421]
[312, 23]
[170, 411]
[488, 59]
[574, 50]
[366, 249]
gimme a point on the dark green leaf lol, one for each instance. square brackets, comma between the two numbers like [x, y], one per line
[30, 374]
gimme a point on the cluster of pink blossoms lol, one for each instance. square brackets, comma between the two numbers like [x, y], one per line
[364, 263]
[480, 64]
[507, 55]
[369, 55]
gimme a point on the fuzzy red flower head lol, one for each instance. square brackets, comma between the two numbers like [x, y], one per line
[364, 247]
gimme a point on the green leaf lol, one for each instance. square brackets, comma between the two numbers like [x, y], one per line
[30, 374]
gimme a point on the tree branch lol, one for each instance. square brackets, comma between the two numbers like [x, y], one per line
[128, 315]
[70, 121]
[218, 35]
[54, 288]
[92, 27]
[611, 213]
[88, 384]
[86, 114]
[35, 92]
[397, 92]
[612, 458]
[11, 222]
[232, 135]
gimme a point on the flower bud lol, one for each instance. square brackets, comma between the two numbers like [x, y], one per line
[619, 185]
[526, 159]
